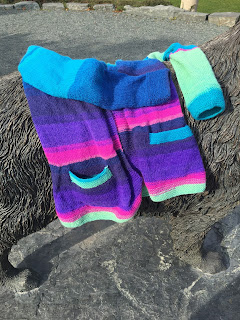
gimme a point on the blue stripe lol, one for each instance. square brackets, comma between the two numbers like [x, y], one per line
[170, 136]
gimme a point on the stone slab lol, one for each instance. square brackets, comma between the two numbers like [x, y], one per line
[107, 271]
[158, 11]
[78, 6]
[53, 5]
[228, 19]
[26, 5]
[193, 16]
[6, 7]
[104, 7]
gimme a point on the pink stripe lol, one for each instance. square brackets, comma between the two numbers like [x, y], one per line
[128, 124]
[113, 140]
[74, 215]
[70, 156]
[133, 113]
[162, 186]
[182, 50]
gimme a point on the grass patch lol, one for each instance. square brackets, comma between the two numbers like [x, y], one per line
[210, 6]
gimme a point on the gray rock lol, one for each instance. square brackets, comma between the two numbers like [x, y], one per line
[193, 16]
[6, 7]
[53, 5]
[159, 11]
[78, 6]
[108, 271]
[26, 5]
[104, 7]
[224, 18]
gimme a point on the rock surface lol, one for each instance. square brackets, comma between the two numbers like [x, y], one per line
[159, 11]
[77, 6]
[224, 18]
[194, 16]
[26, 5]
[53, 5]
[6, 7]
[104, 270]
[104, 7]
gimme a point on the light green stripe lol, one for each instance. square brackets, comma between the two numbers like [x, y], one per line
[194, 73]
[91, 182]
[93, 216]
[180, 190]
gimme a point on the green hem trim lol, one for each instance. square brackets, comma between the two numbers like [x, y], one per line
[93, 216]
[180, 190]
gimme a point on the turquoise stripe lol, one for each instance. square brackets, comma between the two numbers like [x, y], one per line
[170, 135]
[207, 105]
[91, 182]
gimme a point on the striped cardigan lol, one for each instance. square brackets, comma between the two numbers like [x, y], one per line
[111, 133]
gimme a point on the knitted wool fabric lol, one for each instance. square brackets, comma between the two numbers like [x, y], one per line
[202, 93]
[101, 85]
[103, 161]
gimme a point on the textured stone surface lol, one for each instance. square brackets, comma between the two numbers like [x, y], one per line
[104, 7]
[159, 11]
[77, 6]
[104, 270]
[52, 5]
[6, 7]
[224, 18]
[193, 16]
[26, 5]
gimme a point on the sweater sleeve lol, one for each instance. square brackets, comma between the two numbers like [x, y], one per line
[201, 90]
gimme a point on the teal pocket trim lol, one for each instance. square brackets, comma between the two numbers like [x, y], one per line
[170, 135]
[93, 182]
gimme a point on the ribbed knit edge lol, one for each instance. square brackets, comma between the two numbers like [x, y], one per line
[178, 191]
[207, 105]
[93, 216]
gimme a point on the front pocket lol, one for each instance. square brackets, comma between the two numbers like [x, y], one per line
[95, 181]
[170, 135]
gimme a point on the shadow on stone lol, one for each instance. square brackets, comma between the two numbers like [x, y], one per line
[39, 260]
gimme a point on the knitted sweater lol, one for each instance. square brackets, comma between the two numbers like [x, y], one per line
[104, 158]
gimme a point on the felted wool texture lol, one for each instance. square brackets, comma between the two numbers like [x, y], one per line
[201, 90]
[94, 81]
[103, 161]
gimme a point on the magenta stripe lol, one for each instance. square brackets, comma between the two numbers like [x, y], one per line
[128, 124]
[181, 49]
[64, 158]
[193, 178]
[133, 113]
[114, 140]
[119, 213]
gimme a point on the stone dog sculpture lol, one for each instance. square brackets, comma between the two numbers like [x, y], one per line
[26, 201]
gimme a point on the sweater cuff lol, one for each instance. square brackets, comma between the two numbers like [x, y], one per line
[207, 105]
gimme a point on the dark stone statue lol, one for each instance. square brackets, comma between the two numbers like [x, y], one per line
[26, 201]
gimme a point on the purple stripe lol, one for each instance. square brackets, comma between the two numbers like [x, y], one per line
[142, 149]
[59, 134]
[111, 193]
[169, 166]
[53, 106]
